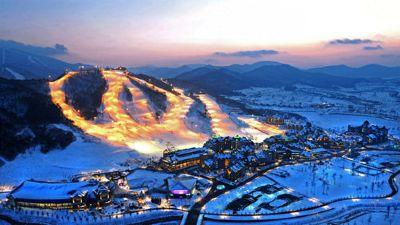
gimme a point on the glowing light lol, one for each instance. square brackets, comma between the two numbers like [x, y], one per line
[259, 130]
[314, 200]
[125, 129]
[134, 125]
[290, 190]
[145, 147]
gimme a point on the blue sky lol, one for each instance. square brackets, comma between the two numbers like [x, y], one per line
[188, 31]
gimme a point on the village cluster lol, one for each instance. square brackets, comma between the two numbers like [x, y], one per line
[233, 159]
[180, 178]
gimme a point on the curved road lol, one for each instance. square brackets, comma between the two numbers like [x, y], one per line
[196, 209]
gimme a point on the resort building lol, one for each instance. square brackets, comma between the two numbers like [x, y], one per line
[181, 187]
[235, 171]
[59, 195]
[183, 159]
[371, 134]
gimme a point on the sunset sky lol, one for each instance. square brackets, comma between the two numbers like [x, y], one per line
[127, 32]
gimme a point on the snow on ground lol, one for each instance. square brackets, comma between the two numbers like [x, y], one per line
[381, 159]
[332, 180]
[152, 179]
[375, 98]
[384, 217]
[79, 156]
[366, 101]
[196, 120]
[309, 184]
[156, 180]
[15, 74]
[219, 204]
[340, 121]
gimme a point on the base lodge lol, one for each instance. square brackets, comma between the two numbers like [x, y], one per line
[59, 195]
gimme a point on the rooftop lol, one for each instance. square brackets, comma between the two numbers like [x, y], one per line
[41, 190]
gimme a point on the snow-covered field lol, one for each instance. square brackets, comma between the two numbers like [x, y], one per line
[381, 159]
[310, 183]
[155, 181]
[366, 101]
[332, 180]
[152, 179]
[219, 204]
[17, 76]
[377, 98]
[341, 121]
[80, 156]
[384, 217]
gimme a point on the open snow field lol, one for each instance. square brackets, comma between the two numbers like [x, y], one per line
[371, 98]
[389, 160]
[295, 187]
[341, 121]
[79, 156]
[333, 179]
[256, 189]
[384, 217]
[366, 101]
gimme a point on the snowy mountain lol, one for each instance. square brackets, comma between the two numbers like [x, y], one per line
[20, 65]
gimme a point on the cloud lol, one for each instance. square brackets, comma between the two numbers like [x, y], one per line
[251, 54]
[347, 41]
[373, 48]
[57, 49]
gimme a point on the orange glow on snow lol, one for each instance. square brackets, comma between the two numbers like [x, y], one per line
[138, 128]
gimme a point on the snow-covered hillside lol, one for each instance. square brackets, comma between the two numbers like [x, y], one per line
[81, 156]
[18, 64]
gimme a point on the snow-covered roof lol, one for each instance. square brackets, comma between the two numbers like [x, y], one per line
[186, 154]
[208, 162]
[318, 150]
[181, 183]
[260, 155]
[52, 191]
[235, 168]
[147, 178]
[222, 156]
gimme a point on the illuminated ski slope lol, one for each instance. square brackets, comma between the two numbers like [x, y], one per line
[136, 126]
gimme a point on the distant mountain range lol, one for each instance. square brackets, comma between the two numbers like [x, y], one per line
[164, 72]
[367, 71]
[170, 72]
[263, 74]
[214, 80]
[20, 61]
[17, 64]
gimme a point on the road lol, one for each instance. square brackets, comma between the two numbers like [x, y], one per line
[196, 209]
